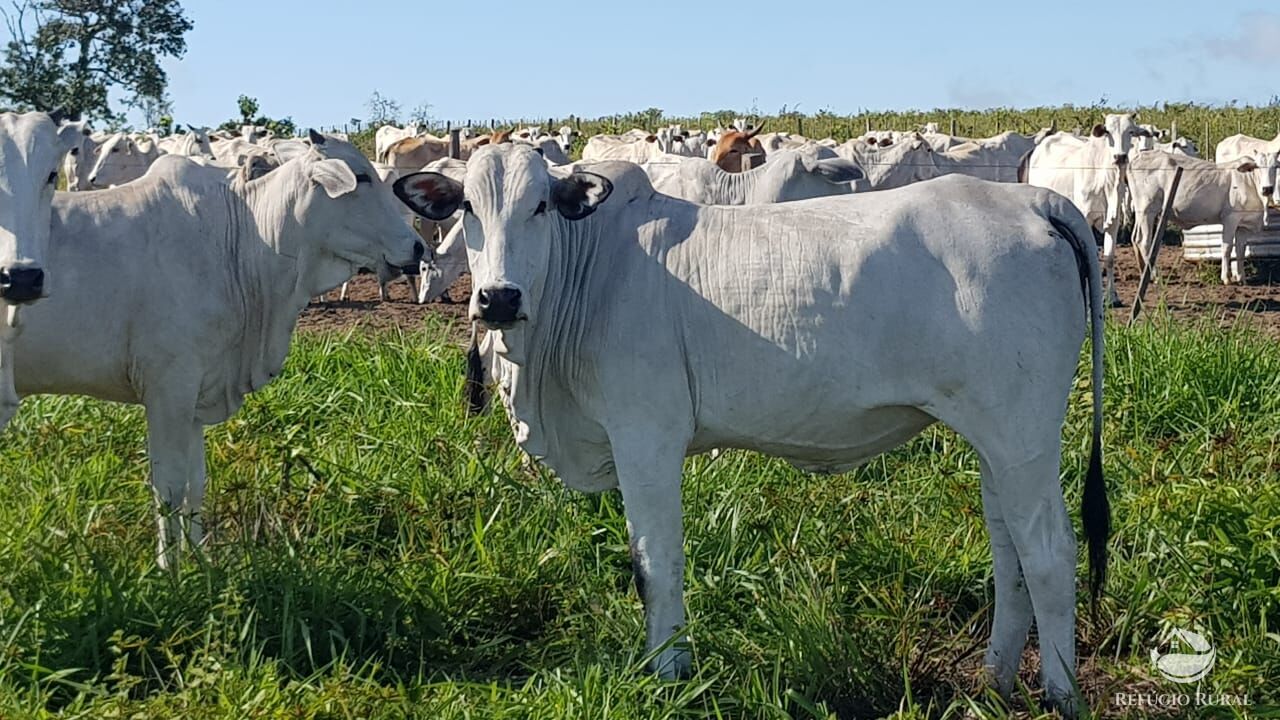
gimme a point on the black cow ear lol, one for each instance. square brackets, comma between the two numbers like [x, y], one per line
[578, 195]
[1099, 130]
[431, 195]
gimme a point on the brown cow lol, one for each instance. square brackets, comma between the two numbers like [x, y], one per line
[413, 154]
[732, 145]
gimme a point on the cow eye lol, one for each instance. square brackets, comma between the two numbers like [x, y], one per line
[115, 150]
[466, 206]
[363, 178]
[75, 151]
[53, 177]
[542, 208]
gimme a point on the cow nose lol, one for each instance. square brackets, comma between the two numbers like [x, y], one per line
[499, 305]
[21, 285]
[1121, 159]
[418, 251]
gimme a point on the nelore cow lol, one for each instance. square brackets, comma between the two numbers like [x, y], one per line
[180, 292]
[631, 329]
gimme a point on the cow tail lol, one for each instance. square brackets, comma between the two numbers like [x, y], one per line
[1095, 508]
[477, 394]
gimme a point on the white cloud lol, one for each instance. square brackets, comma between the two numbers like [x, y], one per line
[1253, 41]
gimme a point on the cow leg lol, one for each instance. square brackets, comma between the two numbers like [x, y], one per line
[649, 477]
[1109, 263]
[1013, 612]
[193, 501]
[8, 393]
[1232, 253]
[1029, 499]
[171, 432]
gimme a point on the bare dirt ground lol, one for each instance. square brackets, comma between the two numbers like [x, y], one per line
[1191, 291]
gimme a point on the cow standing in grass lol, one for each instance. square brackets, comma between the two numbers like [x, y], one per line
[632, 329]
[180, 292]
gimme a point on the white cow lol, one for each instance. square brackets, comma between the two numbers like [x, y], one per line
[1091, 172]
[123, 158]
[613, 147]
[31, 148]
[1234, 194]
[825, 331]
[787, 176]
[1244, 146]
[193, 143]
[196, 284]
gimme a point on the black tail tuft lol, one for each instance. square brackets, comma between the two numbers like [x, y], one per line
[1095, 511]
[477, 395]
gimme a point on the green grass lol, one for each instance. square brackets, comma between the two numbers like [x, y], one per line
[377, 554]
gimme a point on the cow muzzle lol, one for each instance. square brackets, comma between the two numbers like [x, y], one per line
[21, 285]
[498, 306]
[1122, 159]
[411, 268]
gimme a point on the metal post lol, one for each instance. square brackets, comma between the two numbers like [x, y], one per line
[1157, 240]
[455, 143]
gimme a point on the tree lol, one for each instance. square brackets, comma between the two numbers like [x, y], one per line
[382, 110]
[421, 114]
[248, 108]
[72, 53]
[154, 110]
[249, 115]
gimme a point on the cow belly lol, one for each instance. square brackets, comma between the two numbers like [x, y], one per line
[837, 449]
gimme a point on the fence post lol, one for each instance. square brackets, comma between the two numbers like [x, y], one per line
[455, 143]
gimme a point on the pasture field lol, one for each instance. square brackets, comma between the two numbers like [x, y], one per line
[376, 554]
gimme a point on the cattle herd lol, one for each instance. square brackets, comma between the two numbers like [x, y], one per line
[672, 292]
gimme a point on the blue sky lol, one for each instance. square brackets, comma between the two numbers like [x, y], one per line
[319, 61]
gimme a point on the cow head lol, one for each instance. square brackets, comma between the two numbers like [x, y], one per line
[565, 137]
[80, 159]
[510, 203]
[804, 175]
[349, 219]
[31, 149]
[120, 160]
[1261, 166]
[1119, 132]
[732, 145]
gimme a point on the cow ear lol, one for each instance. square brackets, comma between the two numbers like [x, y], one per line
[70, 135]
[1099, 130]
[334, 176]
[430, 194]
[651, 138]
[1247, 166]
[578, 195]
